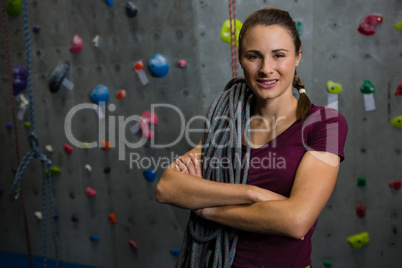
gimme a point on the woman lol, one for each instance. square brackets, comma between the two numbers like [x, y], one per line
[266, 165]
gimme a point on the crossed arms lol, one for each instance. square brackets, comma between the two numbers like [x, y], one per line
[248, 207]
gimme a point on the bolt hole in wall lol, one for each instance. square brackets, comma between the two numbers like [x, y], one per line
[105, 204]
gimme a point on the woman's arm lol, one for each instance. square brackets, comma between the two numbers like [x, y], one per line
[313, 186]
[189, 191]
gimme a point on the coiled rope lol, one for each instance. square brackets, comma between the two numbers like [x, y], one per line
[16, 188]
[227, 120]
[13, 111]
[233, 37]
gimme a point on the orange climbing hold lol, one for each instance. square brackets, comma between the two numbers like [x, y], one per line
[112, 218]
[105, 145]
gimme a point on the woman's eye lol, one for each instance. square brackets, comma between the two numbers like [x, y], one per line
[252, 57]
[279, 55]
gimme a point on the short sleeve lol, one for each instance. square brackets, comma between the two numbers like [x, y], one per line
[325, 130]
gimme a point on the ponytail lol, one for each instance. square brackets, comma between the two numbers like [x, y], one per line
[303, 104]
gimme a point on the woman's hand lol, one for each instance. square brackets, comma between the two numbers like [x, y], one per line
[189, 165]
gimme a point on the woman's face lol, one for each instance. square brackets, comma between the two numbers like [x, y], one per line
[269, 60]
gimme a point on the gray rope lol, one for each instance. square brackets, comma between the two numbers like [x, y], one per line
[227, 119]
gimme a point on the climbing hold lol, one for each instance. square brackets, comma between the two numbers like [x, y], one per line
[49, 148]
[74, 218]
[333, 87]
[361, 211]
[58, 75]
[138, 67]
[358, 240]
[85, 145]
[90, 192]
[158, 65]
[95, 41]
[181, 63]
[299, 27]
[395, 184]
[106, 170]
[20, 76]
[133, 245]
[14, 170]
[361, 181]
[38, 215]
[399, 90]
[175, 252]
[225, 32]
[88, 168]
[149, 174]
[109, 2]
[105, 145]
[9, 126]
[327, 263]
[27, 125]
[76, 45]
[94, 238]
[398, 25]
[55, 217]
[368, 24]
[14, 7]
[131, 10]
[397, 121]
[146, 119]
[112, 218]
[367, 87]
[36, 29]
[1, 191]
[53, 171]
[100, 94]
[121, 94]
[68, 149]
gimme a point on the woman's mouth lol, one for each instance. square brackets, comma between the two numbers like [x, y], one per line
[267, 83]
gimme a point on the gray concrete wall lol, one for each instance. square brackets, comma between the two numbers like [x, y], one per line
[332, 50]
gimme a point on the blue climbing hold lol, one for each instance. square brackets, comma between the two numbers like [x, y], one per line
[175, 252]
[149, 174]
[109, 2]
[94, 238]
[100, 94]
[158, 65]
[9, 126]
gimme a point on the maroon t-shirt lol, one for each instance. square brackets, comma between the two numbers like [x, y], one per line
[274, 167]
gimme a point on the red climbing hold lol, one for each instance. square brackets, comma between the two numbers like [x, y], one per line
[399, 90]
[68, 149]
[361, 211]
[133, 245]
[395, 184]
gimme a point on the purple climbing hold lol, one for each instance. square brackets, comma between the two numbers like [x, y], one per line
[9, 126]
[36, 29]
[20, 76]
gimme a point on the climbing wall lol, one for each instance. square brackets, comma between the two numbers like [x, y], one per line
[333, 50]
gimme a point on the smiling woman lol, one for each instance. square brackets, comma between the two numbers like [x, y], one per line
[282, 160]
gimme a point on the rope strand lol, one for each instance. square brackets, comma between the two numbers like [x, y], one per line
[228, 118]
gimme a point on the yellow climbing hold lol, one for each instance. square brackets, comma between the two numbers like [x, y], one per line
[225, 32]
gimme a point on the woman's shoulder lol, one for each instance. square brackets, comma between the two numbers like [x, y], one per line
[321, 114]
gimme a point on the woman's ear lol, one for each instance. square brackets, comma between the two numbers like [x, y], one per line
[298, 57]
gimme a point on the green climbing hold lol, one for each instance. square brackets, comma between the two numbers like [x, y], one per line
[398, 25]
[53, 171]
[397, 121]
[367, 87]
[14, 7]
[327, 263]
[85, 145]
[333, 87]
[225, 32]
[299, 27]
[27, 125]
[358, 240]
[361, 181]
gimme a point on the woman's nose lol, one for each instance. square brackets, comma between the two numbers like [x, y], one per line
[266, 68]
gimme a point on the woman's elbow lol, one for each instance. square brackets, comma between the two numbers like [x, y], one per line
[299, 227]
[161, 190]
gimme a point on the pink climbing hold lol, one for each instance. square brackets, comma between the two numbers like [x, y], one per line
[147, 118]
[368, 24]
[181, 63]
[133, 245]
[68, 149]
[90, 192]
[76, 45]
